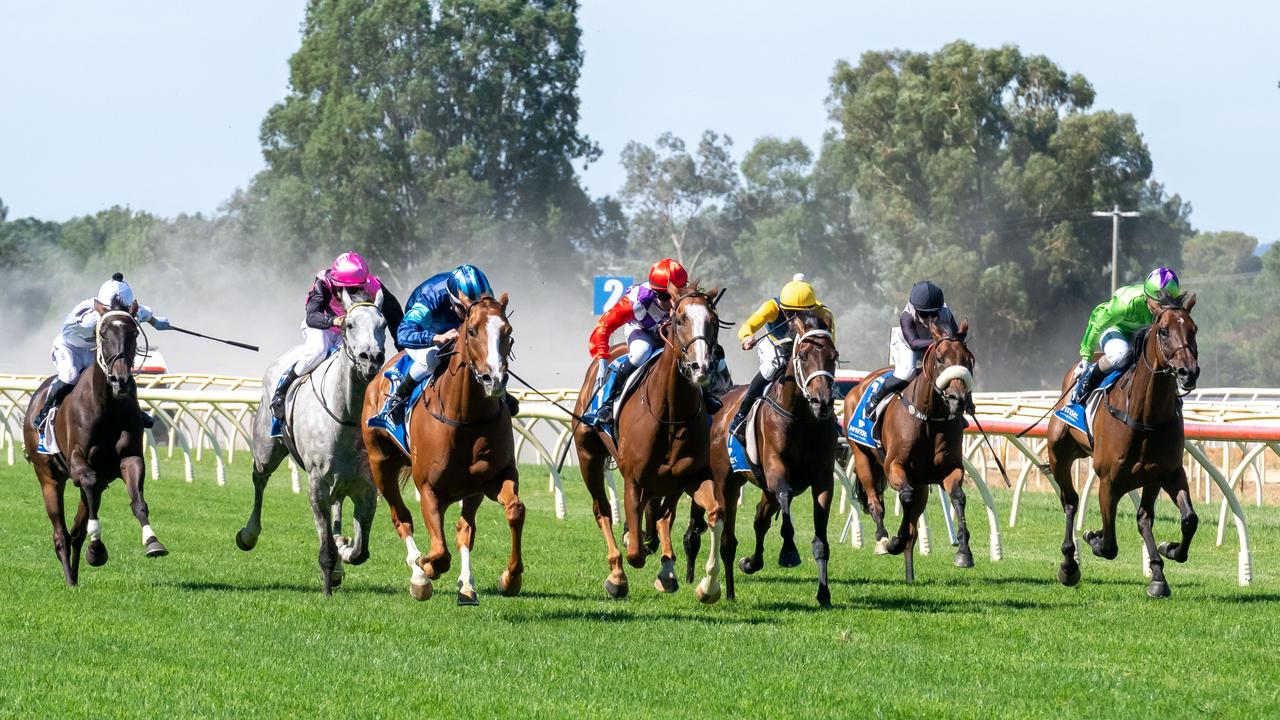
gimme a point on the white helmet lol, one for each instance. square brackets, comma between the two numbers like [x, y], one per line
[115, 289]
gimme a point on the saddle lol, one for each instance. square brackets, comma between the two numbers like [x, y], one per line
[865, 430]
[1080, 416]
[628, 389]
[744, 457]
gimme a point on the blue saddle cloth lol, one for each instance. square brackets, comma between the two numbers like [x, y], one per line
[597, 399]
[738, 461]
[396, 373]
[861, 426]
[1075, 414]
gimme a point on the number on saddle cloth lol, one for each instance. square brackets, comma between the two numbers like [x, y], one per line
[1080, 417]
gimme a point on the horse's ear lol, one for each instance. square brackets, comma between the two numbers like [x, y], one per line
[133, 308]
[1189, 301]
[377, 299]
[964, 329]
[502, 300]
[716, 294]
[935, 329]
[1154, 306]
[100, 308]
[346, 299]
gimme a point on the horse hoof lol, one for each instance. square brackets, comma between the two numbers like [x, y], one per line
[895, 546]
[1158, 589]
[245, 541]
[96, 554]
[335, 580]
[882, 546]
[666, 584]
[824, 596]
[468, 597]
[1166, 549]
[963, 560]
[749, 565]
[1070, 578]
[616, 591]
[420, 592]
[508, 584]
[707, 596]
[154, 549]
[789, 558]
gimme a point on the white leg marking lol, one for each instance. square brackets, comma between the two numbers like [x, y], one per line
[464, 575]
[709, 588]
[147, 534]
[95, 530]
[411, 559]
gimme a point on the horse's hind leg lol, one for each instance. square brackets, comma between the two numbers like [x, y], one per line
[509, 497]
[729, 540]
[133, 471]
[465, 535]
[366, 505]
[385, 469]
[321, 507]
[1060, 461]
[954, 485]
[438, 559]
[870, 480]
[265, 461]
[1146, 518]
[1103, 541]
[1181, 496]
[765, 510]
[664, 516]
[52, 491]
[693, 538]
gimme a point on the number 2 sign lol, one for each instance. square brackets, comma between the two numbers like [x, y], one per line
[608, 290]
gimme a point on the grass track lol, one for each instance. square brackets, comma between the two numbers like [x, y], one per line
[213, 630]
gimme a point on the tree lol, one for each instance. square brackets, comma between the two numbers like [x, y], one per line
[413, 124]
[1220, 253]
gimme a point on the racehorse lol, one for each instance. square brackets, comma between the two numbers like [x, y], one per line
[460, 449]
[1137, 443]
[662, 445]
[922, 444]
[98, 431]
[797, 440]
[321, 430]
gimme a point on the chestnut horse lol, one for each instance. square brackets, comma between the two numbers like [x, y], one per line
[460, 450]
[797, 451]
[922, 441]
[662, 448]
[98, 429]
[1137, 444]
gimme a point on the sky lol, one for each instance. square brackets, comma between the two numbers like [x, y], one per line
[156, 105]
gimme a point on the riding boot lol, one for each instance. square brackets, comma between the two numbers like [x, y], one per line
[513, 405]
[57, 391]
[749, 398]
[1089, 379]
[398, 403]
[282, 389]
[618, 380]
[891, 384]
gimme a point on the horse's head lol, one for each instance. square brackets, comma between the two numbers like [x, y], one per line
[484, 342]
[693, 333]
[813, 360]
[948, 366]
[363, 333]
[117, 344]
[1174, 334]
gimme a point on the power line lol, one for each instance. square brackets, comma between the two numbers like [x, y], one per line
[1115, 215]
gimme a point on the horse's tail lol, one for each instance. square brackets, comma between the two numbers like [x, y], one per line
[860, 492]
[406, 472]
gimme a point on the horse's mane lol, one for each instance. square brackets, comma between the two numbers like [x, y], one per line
[1171, 302]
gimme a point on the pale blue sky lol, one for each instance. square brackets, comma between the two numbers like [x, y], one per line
[157, 104]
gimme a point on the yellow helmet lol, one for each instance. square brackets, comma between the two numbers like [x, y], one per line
[798, 294]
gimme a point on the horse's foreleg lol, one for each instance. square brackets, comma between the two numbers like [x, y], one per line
[954, 485]
[906, 495]
[708, 591]
[438, 559]
[821, 549]
[78, 531]
[1060, 466]
[765, 509]
[509, 497]
[789, 555]
[665, 515]
[52, 491]
[1146, 519]
[912, 508]
[134, 471]
[91, 496]
[1103, 541]
[1180, 493]
[693, 538]
[465, 535]
[321, 507]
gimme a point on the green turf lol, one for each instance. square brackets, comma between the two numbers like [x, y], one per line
[210, 630]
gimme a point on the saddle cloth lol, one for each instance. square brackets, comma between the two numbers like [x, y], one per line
[1081, 417]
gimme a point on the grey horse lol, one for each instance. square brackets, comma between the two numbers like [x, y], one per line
[323, 416]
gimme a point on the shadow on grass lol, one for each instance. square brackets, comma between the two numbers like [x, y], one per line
[350, 587]
[1244, 597]
[624, 615]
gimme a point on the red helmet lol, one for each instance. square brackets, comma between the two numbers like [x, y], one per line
[667, 274]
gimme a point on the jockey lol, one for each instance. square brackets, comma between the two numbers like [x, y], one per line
[75, 344]
[433, 315]
[1113, 325]
[774, 316]
[322, 329]
[926, 307]
[642, 308]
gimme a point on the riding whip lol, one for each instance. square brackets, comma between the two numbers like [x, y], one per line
[234, 343]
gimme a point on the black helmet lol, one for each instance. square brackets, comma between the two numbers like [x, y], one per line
[926, 297]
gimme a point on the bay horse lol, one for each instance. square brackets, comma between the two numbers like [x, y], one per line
[797, 440]
[662, 450]
[98, 429]
[922, 443]
[460, 450]
[323, 415]
[1137, 444]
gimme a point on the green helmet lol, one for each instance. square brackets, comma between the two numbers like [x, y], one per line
[1161, 280]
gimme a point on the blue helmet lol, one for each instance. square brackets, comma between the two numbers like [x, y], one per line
[467, 283]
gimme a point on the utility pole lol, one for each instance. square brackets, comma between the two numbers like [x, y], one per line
[1115, 214]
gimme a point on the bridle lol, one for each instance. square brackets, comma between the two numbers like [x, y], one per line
[686, 368]
[346, 346]
[932, 379]
[105, 363]
[801, 379]
[466, 323]
[1164, 366]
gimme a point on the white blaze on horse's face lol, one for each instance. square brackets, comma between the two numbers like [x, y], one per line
[700, 333]
[494, 361]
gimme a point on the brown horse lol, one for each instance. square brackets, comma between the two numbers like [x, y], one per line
[662, 449]
[1137, 444]
[460, 450]
[922, 441]
[98, 429]
[797, 451]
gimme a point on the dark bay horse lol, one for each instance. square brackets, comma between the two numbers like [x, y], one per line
[98, 428]
[797, 451]
[662, 450]
[460, 450]
[1137, 444]
[923, 444]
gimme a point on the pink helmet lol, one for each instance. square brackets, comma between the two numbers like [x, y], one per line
[349, 270]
